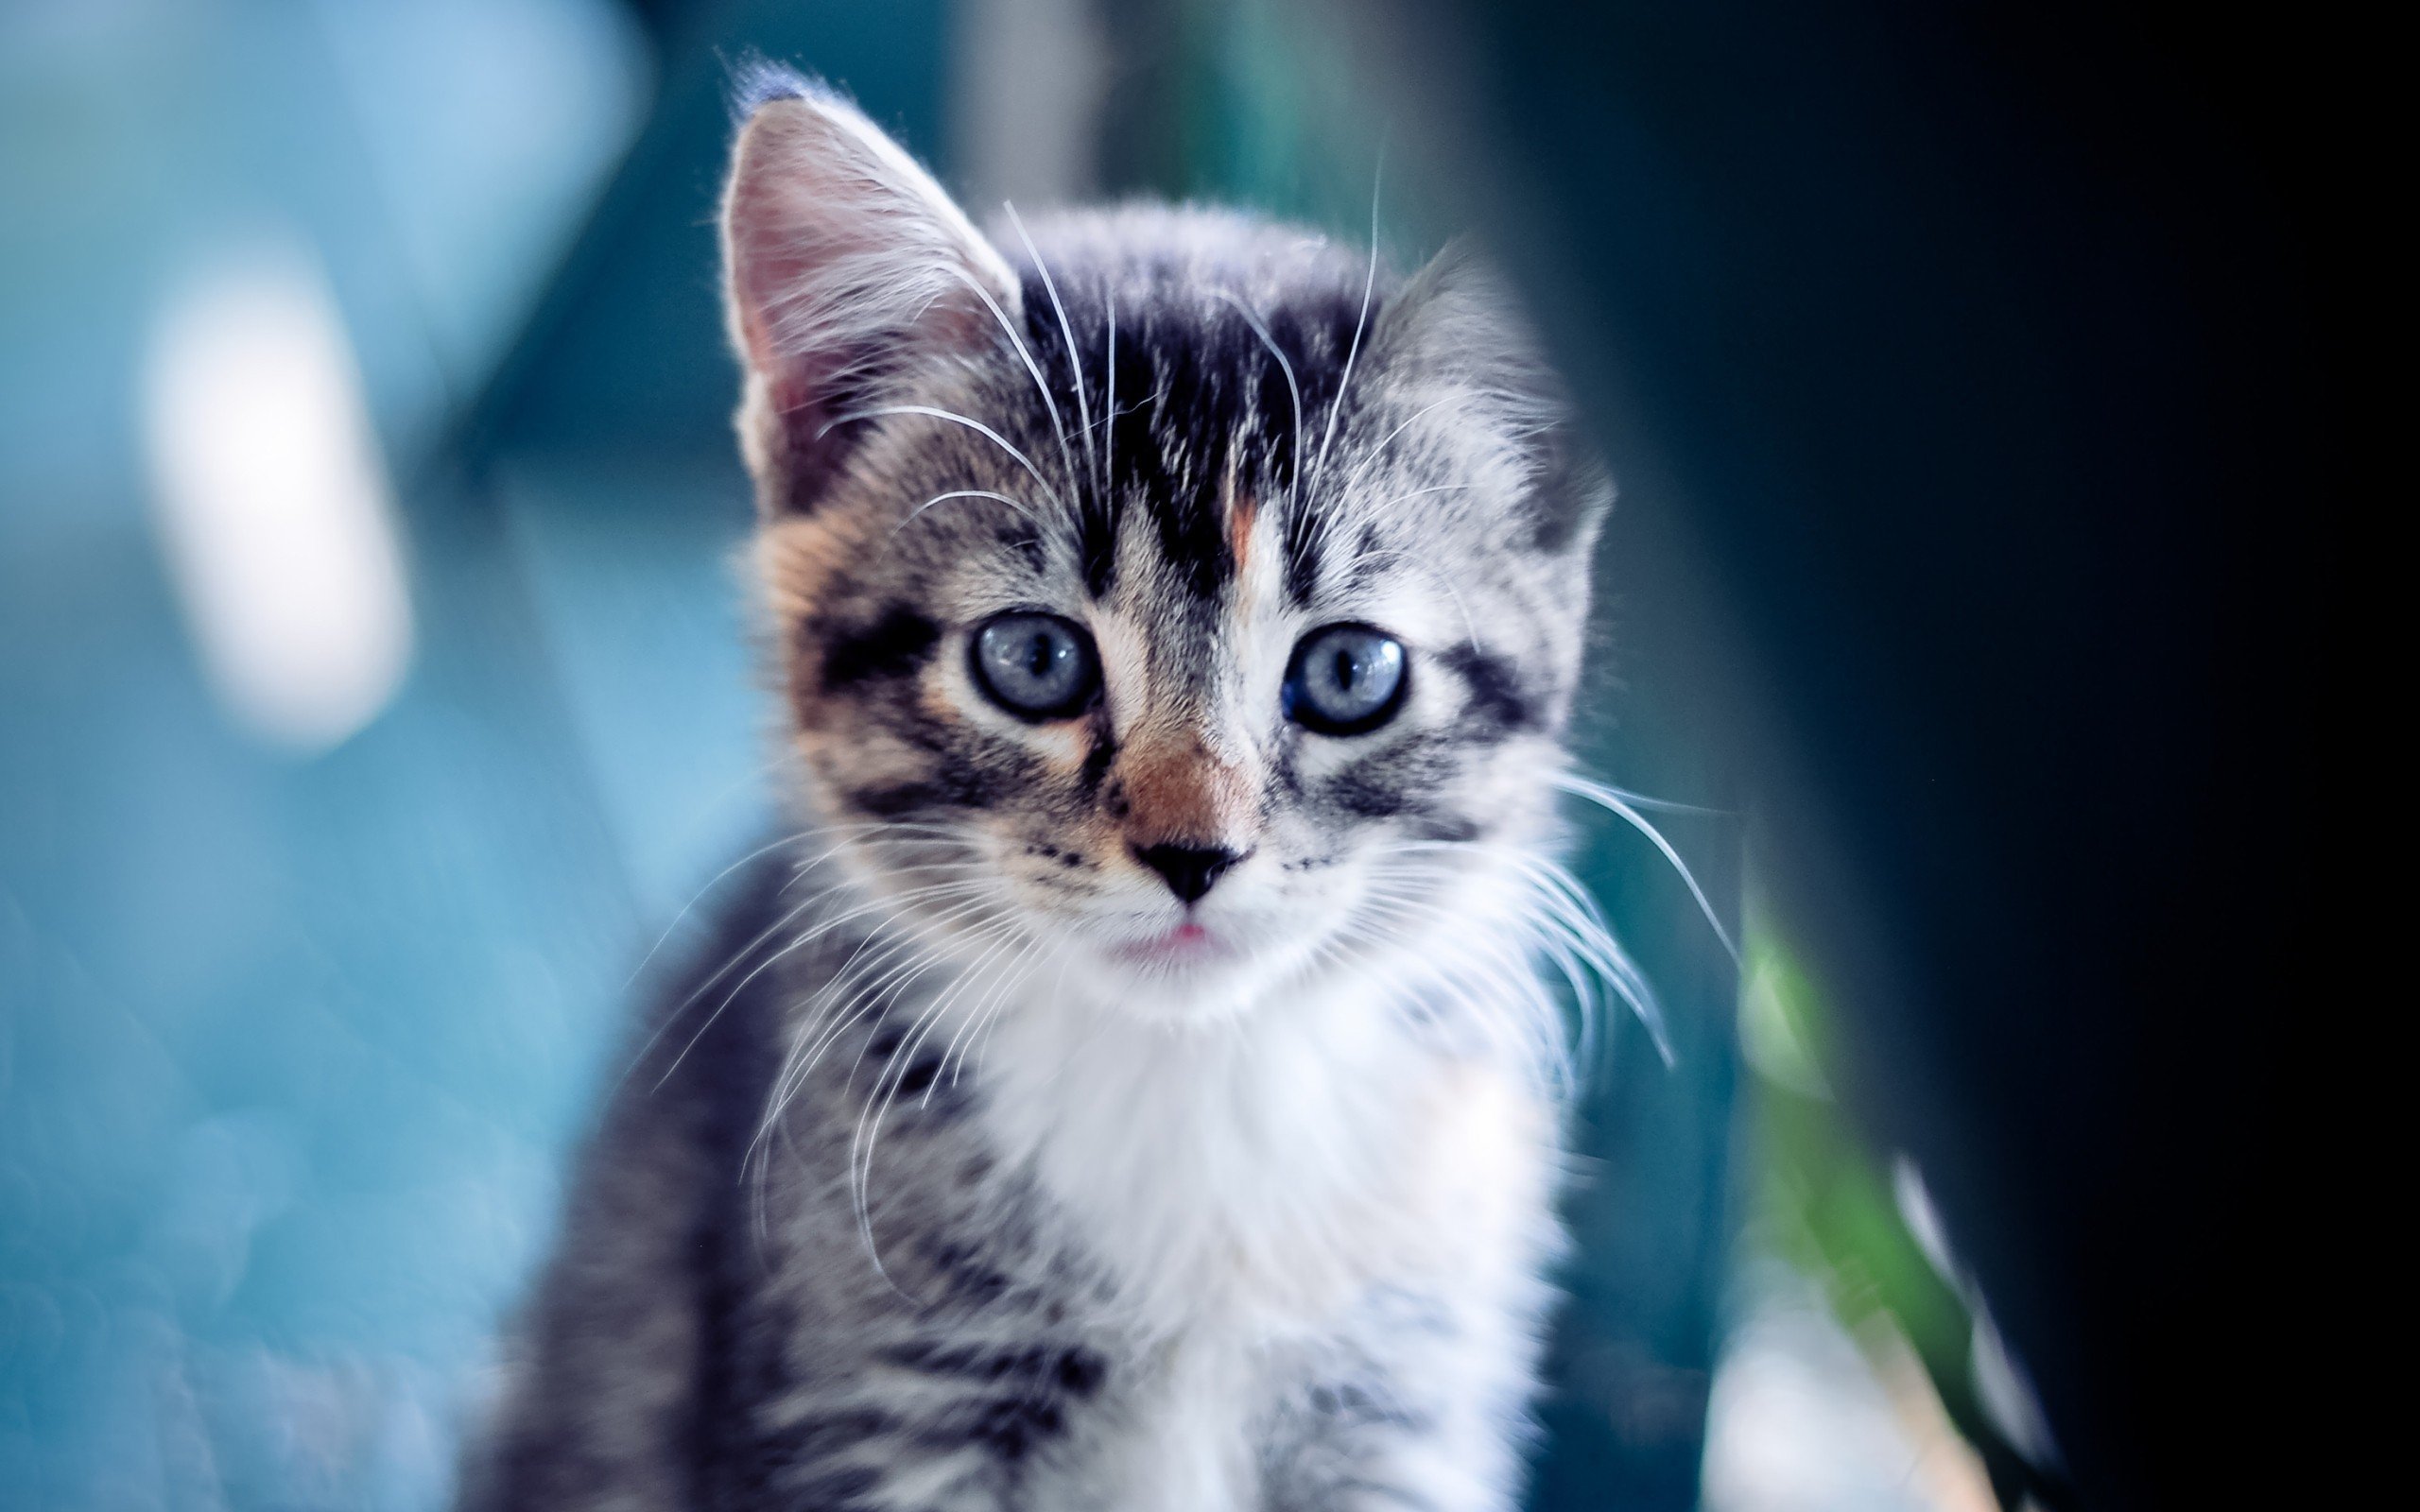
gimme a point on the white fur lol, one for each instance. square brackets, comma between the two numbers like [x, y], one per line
[1252, 1177]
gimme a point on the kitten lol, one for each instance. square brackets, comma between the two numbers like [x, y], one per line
[1135, 1090]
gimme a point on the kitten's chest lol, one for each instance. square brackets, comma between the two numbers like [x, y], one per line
[1259, 1178]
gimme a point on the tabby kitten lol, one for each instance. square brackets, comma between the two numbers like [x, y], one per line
[1135, 1089]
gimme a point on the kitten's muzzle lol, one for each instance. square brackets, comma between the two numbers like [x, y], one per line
[1190, 871]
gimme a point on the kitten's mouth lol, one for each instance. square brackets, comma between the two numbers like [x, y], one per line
[1183, 945]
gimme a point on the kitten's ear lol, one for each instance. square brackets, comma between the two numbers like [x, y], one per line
[1454, 335]
[848, 271]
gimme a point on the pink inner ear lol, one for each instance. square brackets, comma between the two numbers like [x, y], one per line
[764, 265]
[787, 230]
[849, 266]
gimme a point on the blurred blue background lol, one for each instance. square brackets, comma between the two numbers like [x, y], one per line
[376, 688]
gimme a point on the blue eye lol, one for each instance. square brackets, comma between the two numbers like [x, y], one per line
[1036, 666]
[1345, 679]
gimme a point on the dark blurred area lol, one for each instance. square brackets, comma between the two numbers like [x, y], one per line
[377, 684]
[1977, 374]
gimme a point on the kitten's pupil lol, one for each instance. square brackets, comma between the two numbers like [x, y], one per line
[1037, 666]
[1347, 680]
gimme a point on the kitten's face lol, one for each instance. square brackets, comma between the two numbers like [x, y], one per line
[1183, 705]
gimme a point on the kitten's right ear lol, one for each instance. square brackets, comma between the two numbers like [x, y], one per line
[848, 271]
[1455, 334]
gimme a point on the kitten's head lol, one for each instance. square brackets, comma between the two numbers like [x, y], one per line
[1169, 595]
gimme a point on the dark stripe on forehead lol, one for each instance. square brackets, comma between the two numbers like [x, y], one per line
[1081, 385]
[1194, 385]
[1096, 545]
[895, 645]
[1304, 555]
[1192, 423]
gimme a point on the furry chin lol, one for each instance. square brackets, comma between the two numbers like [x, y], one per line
[1190, 973]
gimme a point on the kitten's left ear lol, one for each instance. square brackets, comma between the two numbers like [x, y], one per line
[850, 274]
[1455, 335]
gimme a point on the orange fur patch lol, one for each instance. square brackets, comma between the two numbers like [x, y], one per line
[797, 558]
[1242, 512]
[1178, 791]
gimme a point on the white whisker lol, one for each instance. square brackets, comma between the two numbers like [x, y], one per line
[1566, 929]
[700, 895]
[1618, 802]
[800, 943]
[982, 1010]
[1384, 441]
[906, 959]
[1017, 505]
[1075, 364]
[1292, 391]
[879, 1101]
[1367, 288]
[953, 416]
[1025, 355]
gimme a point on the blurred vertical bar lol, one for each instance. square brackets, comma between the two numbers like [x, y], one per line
[1996, 357]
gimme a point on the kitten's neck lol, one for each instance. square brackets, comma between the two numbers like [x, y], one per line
[1248, 1170]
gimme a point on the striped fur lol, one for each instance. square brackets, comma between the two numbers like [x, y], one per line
[974, 1168]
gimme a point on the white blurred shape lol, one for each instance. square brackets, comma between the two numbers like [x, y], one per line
[2007, 1394]
[271, 500]
[1999, 1377]
[1914, 1200]
[1802, 1418]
